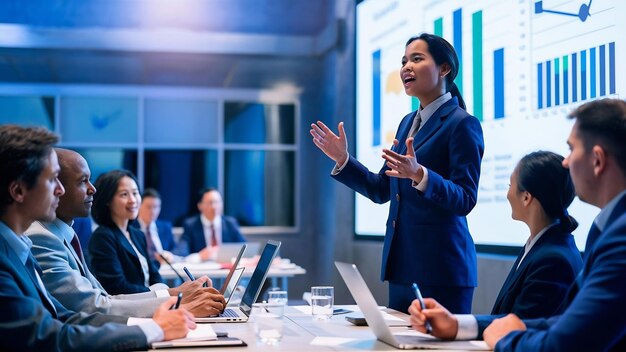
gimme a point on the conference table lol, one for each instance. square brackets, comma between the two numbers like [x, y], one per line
[302, 333]
[280, 271]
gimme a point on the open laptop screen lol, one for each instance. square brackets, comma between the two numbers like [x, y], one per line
[258, 276]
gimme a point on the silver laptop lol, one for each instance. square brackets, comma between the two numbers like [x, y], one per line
[368, 306]
[241, 313]
[232, 270]
[227, 251]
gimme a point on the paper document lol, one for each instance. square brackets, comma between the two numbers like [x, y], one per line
[202, 332]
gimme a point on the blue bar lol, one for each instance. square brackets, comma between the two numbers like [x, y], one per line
[376, 96]
[457, 42]
[602, 72]
[592, 72]
[548, 86]
[557, 83]
[498, 83]
[540, 85]
[574, 78]
[612, 68]
[565, 79]
[583, 75]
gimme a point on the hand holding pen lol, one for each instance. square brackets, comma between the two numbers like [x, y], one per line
[418, 296]
[178, 300]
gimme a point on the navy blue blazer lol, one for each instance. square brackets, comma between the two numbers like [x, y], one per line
[193, 235]
[30, 322]
[427, 239]
[537, 288]
[165, 234]
[595, 317]
[115, 264]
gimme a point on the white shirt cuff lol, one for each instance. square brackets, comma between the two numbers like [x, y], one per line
[337, 169]
[193, 258]
[468, 327]
[423, 183]
[162, 293]
[150, 328]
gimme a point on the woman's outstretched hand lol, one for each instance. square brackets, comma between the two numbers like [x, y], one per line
[335, 147]
[403, 166]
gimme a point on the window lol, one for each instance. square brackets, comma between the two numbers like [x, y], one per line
[179, 143]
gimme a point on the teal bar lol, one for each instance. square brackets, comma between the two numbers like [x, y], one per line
[438, 26]
[477, 62]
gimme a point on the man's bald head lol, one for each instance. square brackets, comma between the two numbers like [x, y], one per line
[74, 175]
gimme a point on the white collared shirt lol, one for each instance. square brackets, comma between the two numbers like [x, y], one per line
[206, 226]
[154, 234]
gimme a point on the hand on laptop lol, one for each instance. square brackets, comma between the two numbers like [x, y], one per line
[175, 323]
[443, 322]
[205, 302]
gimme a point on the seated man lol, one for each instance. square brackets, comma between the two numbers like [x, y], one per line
[65, 273]
[158, 233]
[31, 318]
[592, 316]
[204, 232]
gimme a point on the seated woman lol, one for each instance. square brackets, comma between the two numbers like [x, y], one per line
[541, 190]
[118, 252]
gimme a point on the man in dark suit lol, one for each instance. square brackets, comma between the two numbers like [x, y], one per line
[159, 237]
[31, 318]
[204, 232]
[592, 316]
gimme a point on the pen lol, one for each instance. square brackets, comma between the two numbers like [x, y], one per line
[171, 267]
[191, 277]
[180, 298]
[418, 295]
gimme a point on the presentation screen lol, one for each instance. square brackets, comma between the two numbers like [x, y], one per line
[524, 66]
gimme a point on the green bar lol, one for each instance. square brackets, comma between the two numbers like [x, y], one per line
[477, 62]
[565, 63]
[415, 103]
[439, 26]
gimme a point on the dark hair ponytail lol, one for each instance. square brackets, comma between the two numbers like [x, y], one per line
[542, 174]
[443, 53]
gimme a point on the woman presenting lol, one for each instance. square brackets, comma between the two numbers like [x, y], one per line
[430, 175]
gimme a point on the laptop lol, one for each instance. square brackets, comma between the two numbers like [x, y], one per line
[241, 313]
[242, 249]
[227, 251]
[368, 306]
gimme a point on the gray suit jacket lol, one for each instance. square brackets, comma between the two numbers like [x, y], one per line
[69, 280]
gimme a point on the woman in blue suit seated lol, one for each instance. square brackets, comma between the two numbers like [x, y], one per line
[118, 252]
[430, 177]
[541, 190]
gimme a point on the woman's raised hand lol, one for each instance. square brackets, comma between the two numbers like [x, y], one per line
[335, 147]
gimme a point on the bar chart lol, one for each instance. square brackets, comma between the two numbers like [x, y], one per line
[576, 77]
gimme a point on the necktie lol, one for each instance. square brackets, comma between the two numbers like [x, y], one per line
[76, 245]
[417, 121]
[213, 236]
[150, 243]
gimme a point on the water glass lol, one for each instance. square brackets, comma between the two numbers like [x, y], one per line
[277, 297]
[267, 319]
[322, 299]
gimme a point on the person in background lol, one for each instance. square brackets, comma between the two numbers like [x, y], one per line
[118, 252]
[32, 319]
[591, 317]
[203, 233]
[64, 269]
[159, 237]
[430, 177]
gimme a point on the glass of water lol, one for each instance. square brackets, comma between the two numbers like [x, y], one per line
[267, 319]
[277, 297]
[322, 299]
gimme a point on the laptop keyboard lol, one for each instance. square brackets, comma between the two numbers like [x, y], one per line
[229, 313]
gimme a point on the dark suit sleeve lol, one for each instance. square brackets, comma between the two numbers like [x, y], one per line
[374, 186]
[594, 321]
[106, 264]
[26, 325]
[234, 233]
[457, 192]
[165, 235]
